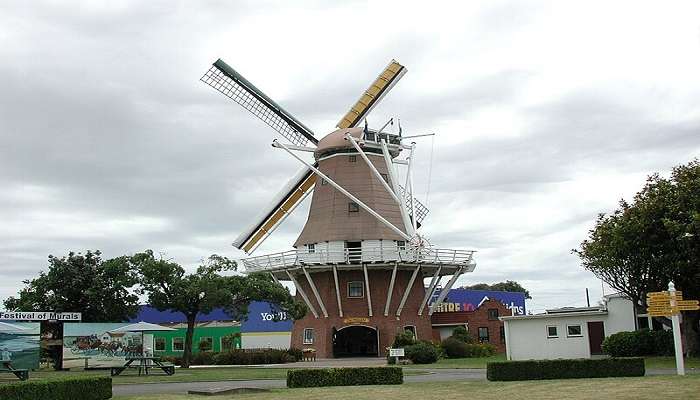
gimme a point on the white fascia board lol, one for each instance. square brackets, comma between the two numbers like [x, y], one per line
[555, 315]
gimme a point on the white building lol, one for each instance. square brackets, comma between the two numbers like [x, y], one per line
[567, 332]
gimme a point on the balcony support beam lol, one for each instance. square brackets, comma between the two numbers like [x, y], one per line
[407, 291]
[337, 291]
[302, 293]
[315, 291]
[431, 289]
[369, 294]
[391, 290]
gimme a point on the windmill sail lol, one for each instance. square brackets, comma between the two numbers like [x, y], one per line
[234, 86]
[421, 209]
[374, 93]
[293, 193]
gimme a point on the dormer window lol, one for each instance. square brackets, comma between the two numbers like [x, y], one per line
[352, 158]
[353, 207]
[311, 248]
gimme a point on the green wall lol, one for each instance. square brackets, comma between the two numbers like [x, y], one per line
[216, 333]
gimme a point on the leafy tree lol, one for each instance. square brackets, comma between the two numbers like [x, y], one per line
[168, 287]
[655, 239]
[507, 286]
[100, 289]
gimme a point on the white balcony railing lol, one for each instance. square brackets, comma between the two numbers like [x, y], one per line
[295, 258]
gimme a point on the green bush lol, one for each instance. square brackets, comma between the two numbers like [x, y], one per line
[639, 343]
[454, 348]
[422, 353]
[317, 377]
[253, 356]
[460, 333]
[564, 369]
[403, 339]
[296, 354]
[84, 388]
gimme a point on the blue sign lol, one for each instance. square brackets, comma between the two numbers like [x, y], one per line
[266, 317]
[470, 300]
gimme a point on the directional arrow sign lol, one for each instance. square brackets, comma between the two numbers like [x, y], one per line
[688, 305]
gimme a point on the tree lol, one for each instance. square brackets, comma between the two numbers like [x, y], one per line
[100, 290]
[507, 286]
[168, 287]
[655, 239]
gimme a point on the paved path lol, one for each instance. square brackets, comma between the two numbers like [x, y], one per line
[432, 375]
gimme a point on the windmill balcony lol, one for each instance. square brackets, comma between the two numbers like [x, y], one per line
[354, 257]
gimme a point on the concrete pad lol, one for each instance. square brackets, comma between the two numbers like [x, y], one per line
[224, 391]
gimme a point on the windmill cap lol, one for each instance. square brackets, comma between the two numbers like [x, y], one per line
[335, 141]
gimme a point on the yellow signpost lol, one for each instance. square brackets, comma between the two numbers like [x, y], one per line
[670, 304]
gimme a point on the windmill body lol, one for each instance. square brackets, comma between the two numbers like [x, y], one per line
[359, 263]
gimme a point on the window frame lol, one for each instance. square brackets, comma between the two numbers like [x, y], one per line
[580, 327]
[353, 207]
[556, 332]
[183, 343]
[401, 245]
[155, 343]
[488, 314]
[304, 339]
[362, 289]
[323, 182]
[352, 158]
[488, 335]
[311, 248]
[412, 329]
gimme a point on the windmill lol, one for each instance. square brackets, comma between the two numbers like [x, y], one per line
[362, 222]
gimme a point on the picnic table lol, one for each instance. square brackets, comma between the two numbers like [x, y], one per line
[22, 374]
[144, 364]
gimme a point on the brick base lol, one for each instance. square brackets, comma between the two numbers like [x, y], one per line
[356, 310]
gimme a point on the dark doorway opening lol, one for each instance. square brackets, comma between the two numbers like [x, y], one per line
[596, 335]
[354, 250]
[355, 341]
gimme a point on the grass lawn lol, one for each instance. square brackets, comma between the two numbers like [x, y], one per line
[670, 363]
[181, 375]
[646, 388]
[460, 362]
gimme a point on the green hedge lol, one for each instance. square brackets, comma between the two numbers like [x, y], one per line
[455, 348]
[639, 343]
[239, 357]
[86, 388]
[297, 378]
[422, 352]
[563, 369]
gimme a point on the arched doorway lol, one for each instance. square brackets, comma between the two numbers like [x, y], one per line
[355, 341]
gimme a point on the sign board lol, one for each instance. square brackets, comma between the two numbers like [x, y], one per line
[356, 320]
[40, 316]
[396, 352]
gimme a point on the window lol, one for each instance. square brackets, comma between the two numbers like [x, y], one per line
[323, 182]
[483, 334]
[493, 314]
[353, 207]
[370, 136]
[308, 335]
[205, 344]
[573, 331]
[226, 342]
[352, 158]
[178, 344]
[503, 334]
[401, 244]
[356, 289]
[311, 247]
[385, 177]
[159, 344]
[412, 329]
[552, 332]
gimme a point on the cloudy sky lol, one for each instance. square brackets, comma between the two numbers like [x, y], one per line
[546, 114]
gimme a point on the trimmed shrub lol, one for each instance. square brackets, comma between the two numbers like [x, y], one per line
[404, 339]
[639, 343]
[454, 348]
[422, 353]
[202, 358]
[84, 388]
[564, 369]
[460, 333]
[317, 377]
[296, 354]
[253, 356]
